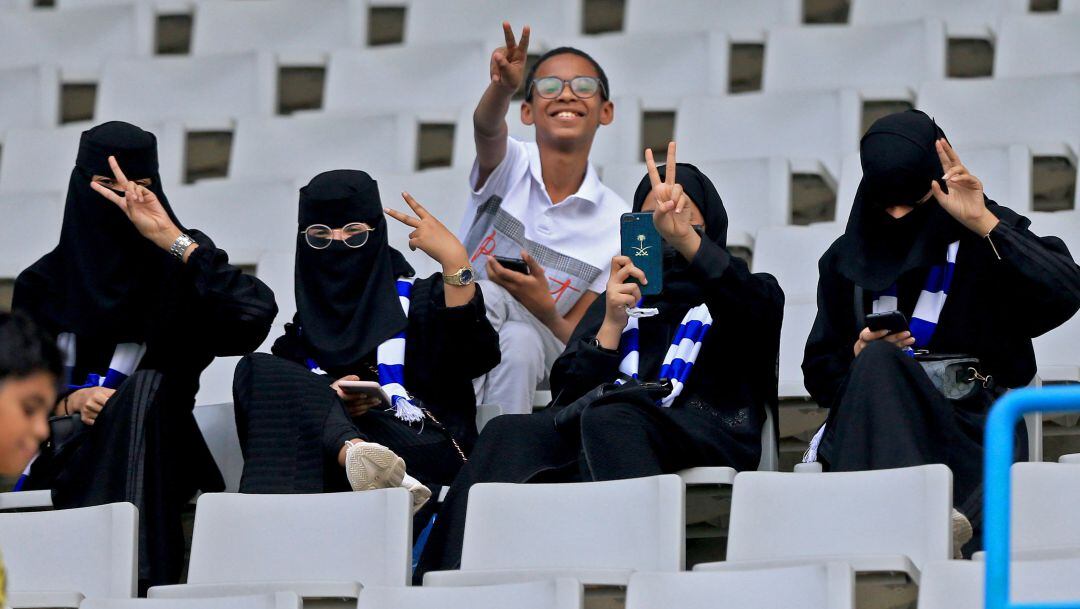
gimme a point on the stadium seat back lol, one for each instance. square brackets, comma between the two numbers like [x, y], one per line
[364, 537]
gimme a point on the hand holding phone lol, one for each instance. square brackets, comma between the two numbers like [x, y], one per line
[368, 388]
[641, 243]
[893, 321]
[513, 264]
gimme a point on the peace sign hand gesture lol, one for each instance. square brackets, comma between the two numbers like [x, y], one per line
[671, 215]
[508, 62]
[141, 206]
[965, 200]
[430, 236]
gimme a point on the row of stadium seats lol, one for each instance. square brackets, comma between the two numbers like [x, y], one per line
[335, 545]
[817, 131]
[231, 83]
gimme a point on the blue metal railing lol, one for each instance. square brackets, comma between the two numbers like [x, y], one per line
[998, 484]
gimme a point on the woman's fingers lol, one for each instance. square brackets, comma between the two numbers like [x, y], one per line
[669, 175]
[950, 152]
[415, 206]
[118, 174]
[866, 335]
[677, 198]
[403, 218]
[650, 166]
[946, 162]
[110, 195]
[637, 273]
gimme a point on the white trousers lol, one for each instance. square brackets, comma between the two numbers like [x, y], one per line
[528, 350]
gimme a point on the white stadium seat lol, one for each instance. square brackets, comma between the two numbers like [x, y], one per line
[428, 21]
[77, 39]
[192, 89]
[31, 97]
[278, 25]
[1073, 458]
[756, 192]
[279, 600]
[1037, 45]
[1037, 111]
[660, 68]
[742, 19]
[892, 520]
[630, 525]
[318, 546]
[840, 56]
[1005, 172]
[823, 126]
[797, 274]
[217, 422]
[960, 584]
[443, 192]
[963, 18]
[31, 228]
[321, 142]
[822, 586]
[1041, 527]
[57, 558]
[444, 76]
[798, 321]
[245, 218]
[562, 593]
[1057, 352]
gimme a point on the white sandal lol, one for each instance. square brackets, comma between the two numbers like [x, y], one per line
[961, 532]
[372, 466]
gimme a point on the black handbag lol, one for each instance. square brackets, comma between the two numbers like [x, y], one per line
[568, 418]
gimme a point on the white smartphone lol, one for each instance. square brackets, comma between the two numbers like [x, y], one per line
[370, 388]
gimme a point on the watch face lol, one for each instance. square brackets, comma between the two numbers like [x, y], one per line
[466, 276]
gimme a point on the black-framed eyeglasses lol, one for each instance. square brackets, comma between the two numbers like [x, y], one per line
[549, 87]
[320, 236]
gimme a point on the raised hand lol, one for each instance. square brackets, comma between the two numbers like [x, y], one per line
[508, 62]
[430, 236]
[965, 201]
[141, 206]
[672, 213]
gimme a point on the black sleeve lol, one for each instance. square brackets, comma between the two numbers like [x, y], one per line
[733, 292]
[234, 310]
[464, 343]
[1042, 280]
[583, 365]
[830, 347]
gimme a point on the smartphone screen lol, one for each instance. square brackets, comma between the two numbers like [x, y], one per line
[641, 243]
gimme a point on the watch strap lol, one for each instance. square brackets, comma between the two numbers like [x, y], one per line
[179, 246]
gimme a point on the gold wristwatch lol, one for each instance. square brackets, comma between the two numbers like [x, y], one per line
[463, 276]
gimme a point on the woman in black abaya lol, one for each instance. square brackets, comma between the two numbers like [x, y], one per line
[972, 280]
[713, 419]
[300, 430]
[140, 306]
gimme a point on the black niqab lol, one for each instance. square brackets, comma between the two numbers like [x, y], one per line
[682, 289]
[346, 299]
[899, 162]
[103, 280]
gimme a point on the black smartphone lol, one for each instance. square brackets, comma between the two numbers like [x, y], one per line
[893, 321]
[514, 264]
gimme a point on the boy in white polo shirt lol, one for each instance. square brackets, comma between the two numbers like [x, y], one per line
[542, 203]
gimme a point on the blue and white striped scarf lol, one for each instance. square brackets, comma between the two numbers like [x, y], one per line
[125, 360]
[390, 356]
[680, 357]
[924, 318]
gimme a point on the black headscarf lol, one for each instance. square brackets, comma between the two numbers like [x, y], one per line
[346, 300]
[682, 290]
[899, 161]
[103, 280]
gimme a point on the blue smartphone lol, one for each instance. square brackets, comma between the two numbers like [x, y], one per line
[641, 243]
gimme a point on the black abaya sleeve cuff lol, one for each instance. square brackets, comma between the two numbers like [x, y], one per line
[711, 260]
[472, 312]
[201, 258]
